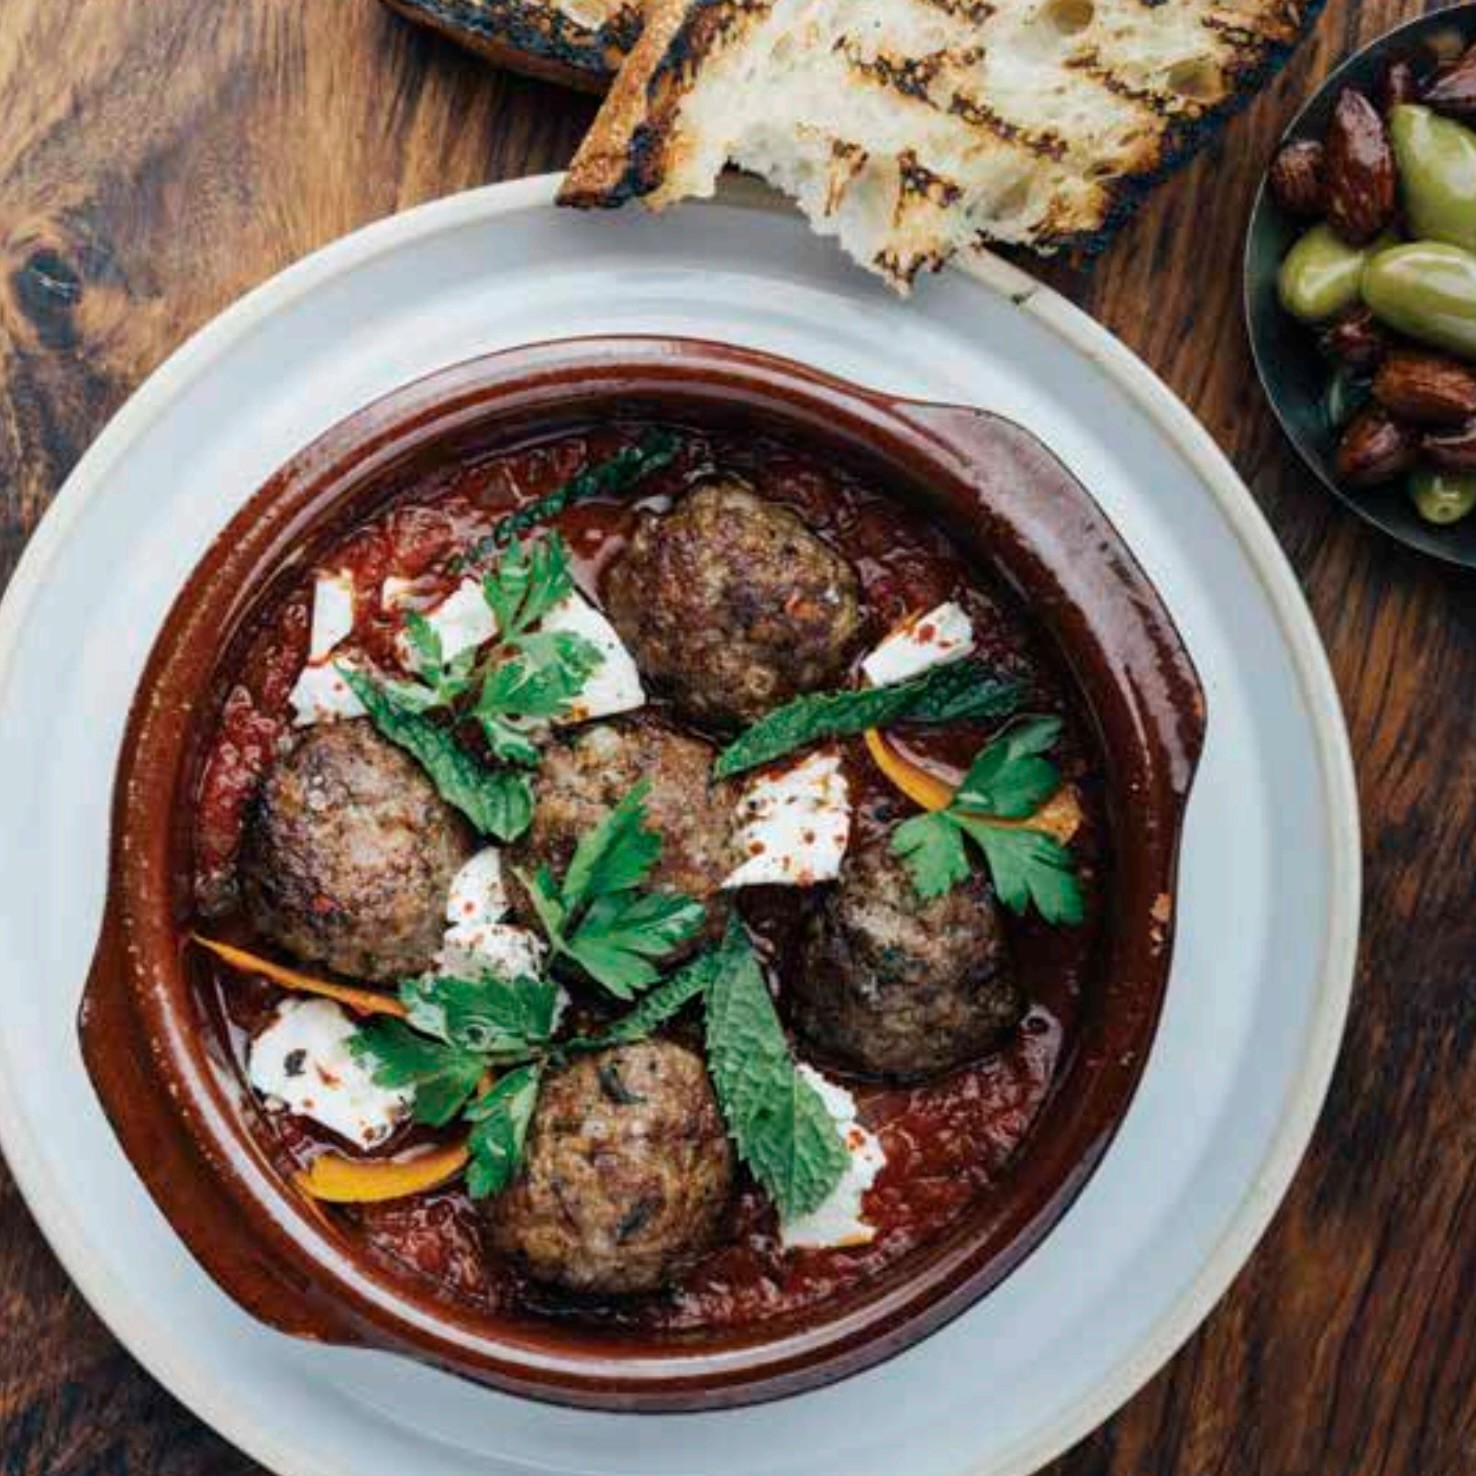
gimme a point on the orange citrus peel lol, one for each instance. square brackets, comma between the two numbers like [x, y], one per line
[361, 1001]
[1060, 816]
[336, 1179]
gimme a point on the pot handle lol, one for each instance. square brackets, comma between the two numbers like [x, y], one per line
[241, 1250]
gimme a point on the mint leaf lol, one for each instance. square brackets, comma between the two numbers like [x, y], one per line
[1029, 867]
[488, 1016]
[779, 1124]
[500, 1121]
[1007, 778]
[945, 694]
[443, 1076]
[932, 849]
[497, 803]
[615, 475]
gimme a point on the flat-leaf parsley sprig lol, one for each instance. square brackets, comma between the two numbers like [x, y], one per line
[600, 916]
[1009, 780]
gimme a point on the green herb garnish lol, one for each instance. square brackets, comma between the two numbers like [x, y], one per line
[657, 1006]
[599, 917]
[441, 683]
[779, 1123]
[959, 691]
[1008, 780]
[496, 801]
[610, 478]
[499, 1132]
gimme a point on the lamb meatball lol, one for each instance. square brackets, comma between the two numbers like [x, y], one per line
[732, 605]
[583, 778]
[895, 985]
[348, 853]
[626, 1174]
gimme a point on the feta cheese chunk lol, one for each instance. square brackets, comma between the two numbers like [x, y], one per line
[333, 614]
[469, 950]
[301, 1063]
[794, 826]
[615, 684]
[920, 643]
[838, 1221]
[321, 695]
[463, 621]
[477, 894]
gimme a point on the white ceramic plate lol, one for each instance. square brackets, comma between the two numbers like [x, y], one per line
[1269, 898]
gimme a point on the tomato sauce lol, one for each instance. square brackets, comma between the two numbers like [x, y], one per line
[950, 1143]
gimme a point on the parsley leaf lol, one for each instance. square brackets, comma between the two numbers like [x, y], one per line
[543, 674]
[443, 1076]
[952, 693]
[780, 1126]
[1008, 781]
[500, 1121]
[597, 916]
[441, 682]
[497, 802]
[615, 475]
[932, 848]
[490, 1015]
[669, 998]
[526, 583]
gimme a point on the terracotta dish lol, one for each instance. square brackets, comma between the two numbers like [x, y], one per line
[936, 490]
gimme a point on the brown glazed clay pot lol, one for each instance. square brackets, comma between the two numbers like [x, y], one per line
[178, 1105]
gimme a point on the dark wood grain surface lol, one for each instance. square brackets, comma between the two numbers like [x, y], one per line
[159, 157]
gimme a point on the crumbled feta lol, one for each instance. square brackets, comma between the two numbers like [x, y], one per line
[615, 684]
[463, 620]
[471, 949]
[922, 642]
[793, 827]
[477, 894]
[321, 695]
[838, 1221]
[301, 1063]
[333, 614]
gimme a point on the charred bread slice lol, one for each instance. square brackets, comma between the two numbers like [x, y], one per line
[913, 129]
[579, 43]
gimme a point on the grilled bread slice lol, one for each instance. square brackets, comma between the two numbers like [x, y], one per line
[577, 42]
[913, 129]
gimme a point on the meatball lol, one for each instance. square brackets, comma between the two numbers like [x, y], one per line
[348, 853]
[897, 985]
[732, 605]
[585, 777]
[626, 1175]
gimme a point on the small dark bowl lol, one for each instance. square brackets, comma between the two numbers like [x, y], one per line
[1293, 372]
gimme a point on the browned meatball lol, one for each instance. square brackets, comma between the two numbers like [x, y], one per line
[895, 985]
[732, 605]
[626, 1176]
[586, 776]
[348, 853]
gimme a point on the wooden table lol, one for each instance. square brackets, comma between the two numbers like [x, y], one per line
[159, 157]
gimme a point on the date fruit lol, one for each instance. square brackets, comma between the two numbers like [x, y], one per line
[1453, 90]
[1452, 450]
[1427, 389]
[1355, 340]
[1360, 174]
[1375, 448]
[1297, 183]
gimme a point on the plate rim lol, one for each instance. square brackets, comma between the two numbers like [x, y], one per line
[111, 1300]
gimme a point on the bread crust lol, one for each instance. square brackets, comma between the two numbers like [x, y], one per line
[647, 142]
[532, 37]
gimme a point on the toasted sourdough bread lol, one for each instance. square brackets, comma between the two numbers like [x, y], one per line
[577, 42]
[913, 129]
